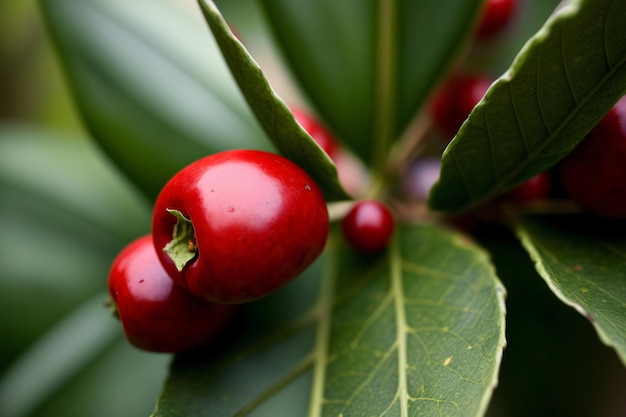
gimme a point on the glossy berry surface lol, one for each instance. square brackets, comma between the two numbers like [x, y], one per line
[534, 189]
[156, 314]
[455, 100]
[497, 14]
[254, 221]
[318, 132]
[368, 226]
[594, 173]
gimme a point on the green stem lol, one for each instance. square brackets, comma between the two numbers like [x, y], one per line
[385, 94]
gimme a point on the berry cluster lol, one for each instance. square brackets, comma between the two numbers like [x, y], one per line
[235, 226]
[227, 229]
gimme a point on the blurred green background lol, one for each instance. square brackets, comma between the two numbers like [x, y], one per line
[61, 354]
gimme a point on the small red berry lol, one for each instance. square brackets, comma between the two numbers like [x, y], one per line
[256, 219]
[318, 132]
[455, 100]
[156, 314]
[594, 173]
[496, 15]
[368, 226]
[533, 189]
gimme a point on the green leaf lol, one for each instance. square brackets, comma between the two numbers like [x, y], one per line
[150, 84]
[64, 213]
[288, 136]
[418, 332]
[367, 66]
[582, 260]
[52, 361]
[559, 86]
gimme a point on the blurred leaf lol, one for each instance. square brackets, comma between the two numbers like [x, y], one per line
[559, 86]
[64, 213]
[56, 358]
[280, 125]
[367, 66]
[122, 382]
[150, 84]
[583, 259]
[420, 331]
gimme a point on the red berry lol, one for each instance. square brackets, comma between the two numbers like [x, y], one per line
[455, 100]
[368, 226]
[313, 127]
[255, 218]
[156, 314]
[594, 173]
[534, 189]
[496, 15]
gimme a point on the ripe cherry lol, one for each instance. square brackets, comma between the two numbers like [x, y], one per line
[497, 14]
[318, 132]
[156, 314]
[594, 173]
[534, 189]
[455, 100]
[368, 226]
[234, 226]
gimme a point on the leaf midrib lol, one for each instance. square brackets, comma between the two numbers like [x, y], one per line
[397, 288]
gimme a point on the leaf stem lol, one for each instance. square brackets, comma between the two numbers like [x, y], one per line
[385, 99]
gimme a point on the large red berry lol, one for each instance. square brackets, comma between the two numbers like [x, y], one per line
[368, 226]
[594, 173]
[496, 16]
[156, 314]
[235, 226]
[318, 132]
[455, 100]
[534, 189]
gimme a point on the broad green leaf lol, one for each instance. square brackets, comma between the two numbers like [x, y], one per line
[367, 66]
[421, 333]
[559, 86]
[583, 261]
[418, 332]
[150, 84]
[288, 136]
